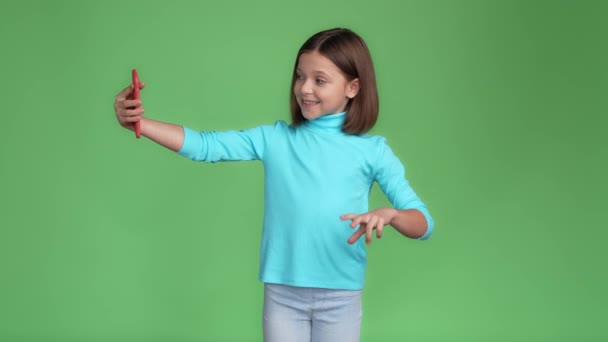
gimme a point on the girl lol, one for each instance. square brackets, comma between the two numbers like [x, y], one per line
[318, 174]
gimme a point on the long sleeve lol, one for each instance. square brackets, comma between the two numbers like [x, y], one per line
[390, 176]
[213, 146]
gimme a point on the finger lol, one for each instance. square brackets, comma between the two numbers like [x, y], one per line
[131, 103]
[133, 112]
[128, 91]
[347, 217]
[128, 113]
[132, 118]
[353, 238]
[358, 220]
[124, 93]
[369, 231]
[373, 221]
[379, 228]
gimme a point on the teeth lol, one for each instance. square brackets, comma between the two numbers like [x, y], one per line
[310, 102]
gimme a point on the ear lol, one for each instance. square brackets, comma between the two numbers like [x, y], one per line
[352, 88]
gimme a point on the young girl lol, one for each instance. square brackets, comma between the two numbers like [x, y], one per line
[318, 174]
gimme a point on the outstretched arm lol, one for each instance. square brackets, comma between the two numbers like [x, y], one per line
[169, 135]
[128, 111]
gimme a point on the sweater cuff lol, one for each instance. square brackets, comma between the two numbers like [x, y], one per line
[193, 145]
[430, 225]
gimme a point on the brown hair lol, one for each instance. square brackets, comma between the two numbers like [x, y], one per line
[350, 54]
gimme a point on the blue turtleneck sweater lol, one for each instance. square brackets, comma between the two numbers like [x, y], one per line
[313, 174]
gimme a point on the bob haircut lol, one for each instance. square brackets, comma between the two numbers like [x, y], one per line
[350, 54]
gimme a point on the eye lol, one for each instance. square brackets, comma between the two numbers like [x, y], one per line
[320, 81]
[299, 77]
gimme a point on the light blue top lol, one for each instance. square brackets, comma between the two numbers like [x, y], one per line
[313, 174]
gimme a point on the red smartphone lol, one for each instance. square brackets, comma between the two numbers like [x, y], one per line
[136, 97]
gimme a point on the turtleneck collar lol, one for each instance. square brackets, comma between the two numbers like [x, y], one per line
[330, 123]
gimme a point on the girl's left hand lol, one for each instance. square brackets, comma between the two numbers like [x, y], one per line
[375, 219]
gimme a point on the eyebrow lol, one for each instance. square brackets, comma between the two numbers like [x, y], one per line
[315, 72]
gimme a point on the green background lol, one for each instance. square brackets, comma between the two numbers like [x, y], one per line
[497, 109]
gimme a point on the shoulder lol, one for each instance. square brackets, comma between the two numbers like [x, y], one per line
[266, 129]
[384, 154]
[278, 130]
[373, 139]
[375, 143]
[280, 125]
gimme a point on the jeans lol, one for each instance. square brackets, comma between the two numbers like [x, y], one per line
[304, 314]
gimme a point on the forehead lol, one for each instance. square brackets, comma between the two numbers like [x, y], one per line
[314, 61]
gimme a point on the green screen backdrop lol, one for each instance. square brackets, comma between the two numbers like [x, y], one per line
[496, 108]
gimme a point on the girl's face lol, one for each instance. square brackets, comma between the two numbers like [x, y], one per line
[320, 87]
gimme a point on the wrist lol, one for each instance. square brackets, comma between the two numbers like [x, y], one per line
[392, 215]
[143, 125]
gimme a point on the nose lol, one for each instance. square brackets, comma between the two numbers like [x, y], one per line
[306, 87]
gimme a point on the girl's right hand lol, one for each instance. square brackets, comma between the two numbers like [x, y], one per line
[128, 111]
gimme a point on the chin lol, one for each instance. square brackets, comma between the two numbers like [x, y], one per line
[312, 117]
[309, 115]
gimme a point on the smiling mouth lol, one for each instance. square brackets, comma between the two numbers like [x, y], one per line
[309, 103]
